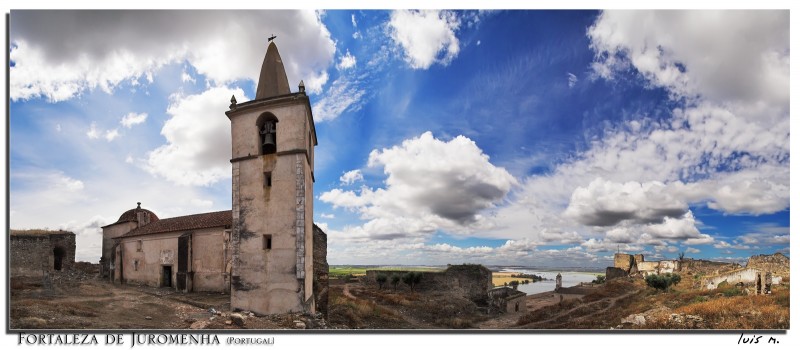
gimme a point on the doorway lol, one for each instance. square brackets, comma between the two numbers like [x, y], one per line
[58, 258]
[166, 276]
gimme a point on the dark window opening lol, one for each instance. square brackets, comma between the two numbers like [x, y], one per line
[58, 257]
[139, 245]
[268, 179]
[267, 242]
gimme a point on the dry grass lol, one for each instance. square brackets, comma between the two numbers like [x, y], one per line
[499, 278]
[743, 312]
[35, 232]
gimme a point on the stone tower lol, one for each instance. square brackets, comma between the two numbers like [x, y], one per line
[273, 139]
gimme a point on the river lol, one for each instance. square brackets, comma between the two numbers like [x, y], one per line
[568, 279]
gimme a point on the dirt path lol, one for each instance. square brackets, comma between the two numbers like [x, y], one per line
[611, 303]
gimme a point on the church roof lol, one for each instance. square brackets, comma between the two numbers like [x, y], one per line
[185, 223]
[130, 215]
[272, 81]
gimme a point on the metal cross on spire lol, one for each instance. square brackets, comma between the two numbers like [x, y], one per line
[271, 38]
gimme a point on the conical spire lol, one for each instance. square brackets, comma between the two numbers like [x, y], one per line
[272, 81]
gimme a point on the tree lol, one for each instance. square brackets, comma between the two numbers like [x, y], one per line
[662, 282]
[395, 280]
[514, 284]
[381, 279]
[681, 255]
[412, 279]
[600, 279]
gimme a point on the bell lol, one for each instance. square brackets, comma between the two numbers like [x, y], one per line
[269, 139]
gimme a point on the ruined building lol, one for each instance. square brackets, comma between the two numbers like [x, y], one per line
[39, 252]
[262, 251]
[627, 264]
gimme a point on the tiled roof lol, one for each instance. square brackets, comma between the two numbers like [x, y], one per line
[130, 215]
[185, 223]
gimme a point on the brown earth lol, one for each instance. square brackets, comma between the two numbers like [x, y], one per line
[70, 302]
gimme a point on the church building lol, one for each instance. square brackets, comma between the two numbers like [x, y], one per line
[262, 251]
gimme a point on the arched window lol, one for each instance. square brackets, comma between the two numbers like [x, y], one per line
[267, 126]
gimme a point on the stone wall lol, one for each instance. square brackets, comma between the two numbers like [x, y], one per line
[777, 264]
[746, 276]
[33, 253]
[321, 270]
[470, 281]
[507, 299]
[615, 272]
[623, 261]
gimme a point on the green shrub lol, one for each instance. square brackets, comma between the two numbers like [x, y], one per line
[662, 282]
[381, 278]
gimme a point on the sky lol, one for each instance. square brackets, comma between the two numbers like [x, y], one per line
[519, 137]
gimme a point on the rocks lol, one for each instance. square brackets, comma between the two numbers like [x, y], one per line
[148, 318]
[199, 325]
[237, 319]
[686, 321]
[299, 325]
[635, 319]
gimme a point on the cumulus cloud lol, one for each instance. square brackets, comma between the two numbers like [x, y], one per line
[691, 250]
[426, 36]
[196, 152]
[346, 62]
[60, 54]
[430, 184]
[131, 119]
[351, 176]
[606, 203]
[672, 49]
[725, 146]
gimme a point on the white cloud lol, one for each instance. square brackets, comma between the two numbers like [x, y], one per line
[132, 119]
[606, 203]
[723, 148]
[678, 50]
[691, 250]
[353, 20]
[58, 127]
[343, 95]
[478, 43]
[675, 228]
[430, 184]
[426, 36]
[327, 216]
[351, 177]
[571, 80]
[196, 152]
[186, 77]
[93, 133]
[57, 54]
[346, 62]
[110, 135]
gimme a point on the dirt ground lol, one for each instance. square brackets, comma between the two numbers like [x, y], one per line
[85, 302]
[90, 303]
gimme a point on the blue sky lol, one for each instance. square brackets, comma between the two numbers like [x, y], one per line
[546, 138]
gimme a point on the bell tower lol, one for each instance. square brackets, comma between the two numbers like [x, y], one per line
[273, 139]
